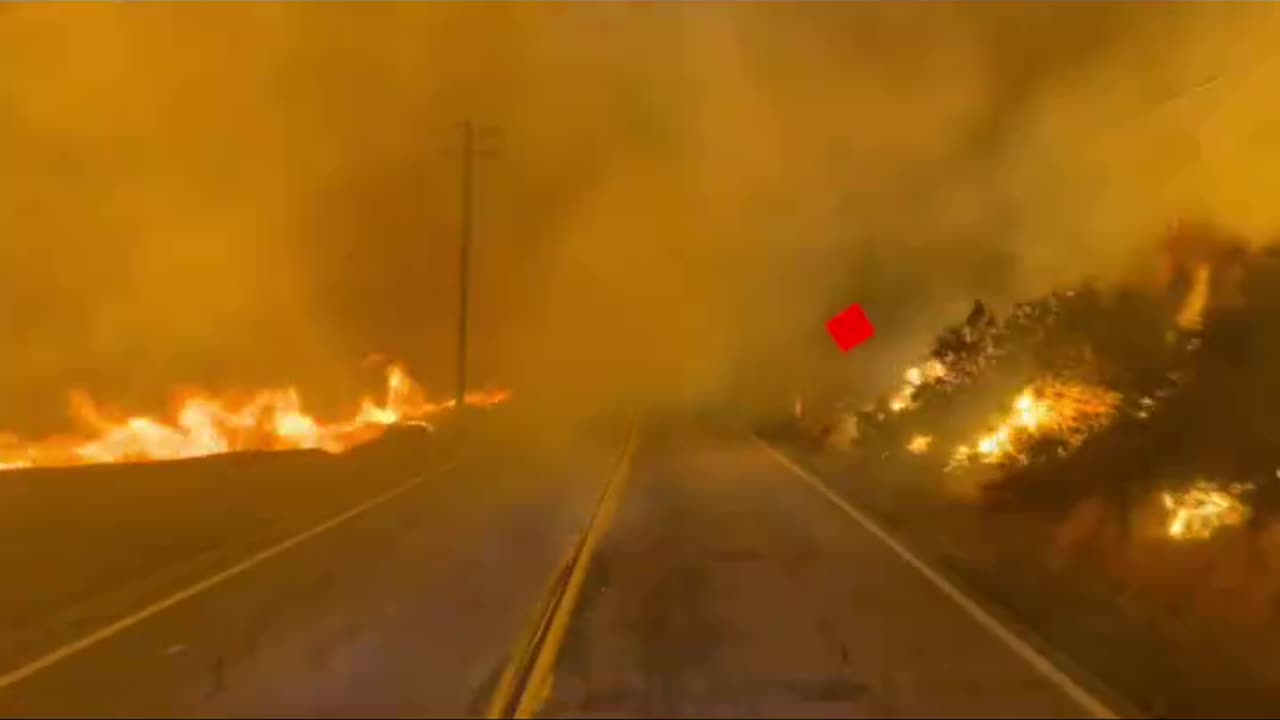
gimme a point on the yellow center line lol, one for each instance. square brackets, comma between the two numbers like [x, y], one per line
[526, 681]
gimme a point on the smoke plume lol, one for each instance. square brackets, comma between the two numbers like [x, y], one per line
[678, 196]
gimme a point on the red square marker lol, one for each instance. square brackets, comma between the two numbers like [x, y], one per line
[850, 328]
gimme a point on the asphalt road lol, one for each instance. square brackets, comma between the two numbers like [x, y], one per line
[728, 587]
[724, 586]
[407, 608]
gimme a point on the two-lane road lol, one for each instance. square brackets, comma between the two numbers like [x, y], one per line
[728, 586]
[406, 606]
[396, 583]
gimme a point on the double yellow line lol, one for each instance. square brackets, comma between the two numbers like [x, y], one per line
[526, 681]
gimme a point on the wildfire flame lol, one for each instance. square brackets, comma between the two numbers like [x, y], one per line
[912, 379]
[919, 444]
[1066, 410]
[1202, 509]
[271, 419]
[1191, 314]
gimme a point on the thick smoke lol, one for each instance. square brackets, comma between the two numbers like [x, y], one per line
[680, 194]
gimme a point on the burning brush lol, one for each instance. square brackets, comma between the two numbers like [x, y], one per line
[919, 444]
[271, 419]
[1057, 410]
[1202, 509]
[916, 376]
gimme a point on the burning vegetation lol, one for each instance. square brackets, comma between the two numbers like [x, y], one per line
[1198, 511]
[208, 424]
[1064, 413]
[1103, 455]
[1123, 393]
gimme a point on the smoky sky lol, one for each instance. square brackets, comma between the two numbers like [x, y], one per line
[677, 196]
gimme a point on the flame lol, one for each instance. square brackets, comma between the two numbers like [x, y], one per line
[1191, 314]
[930, 371]
[271, 419]
[900, 401]
[1202, 509]
[1065, 410]
[919, 444]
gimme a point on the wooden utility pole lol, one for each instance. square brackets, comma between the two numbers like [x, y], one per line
[464, 265]
[473, 138]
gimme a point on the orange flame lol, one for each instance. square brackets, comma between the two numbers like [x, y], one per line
[271, 419]
[1070, 411]
[1191, 314]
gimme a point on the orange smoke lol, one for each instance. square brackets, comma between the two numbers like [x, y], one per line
[270, 419]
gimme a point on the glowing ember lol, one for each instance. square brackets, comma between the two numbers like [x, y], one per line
[205, 425]
[915, 376]
[900, 402]
[1202, 509]
[1029, 412]
[919, 444]
[1067, 411]
[935, 370]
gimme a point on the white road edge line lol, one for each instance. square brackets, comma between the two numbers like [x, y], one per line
[15, 676]
[1095, 707]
